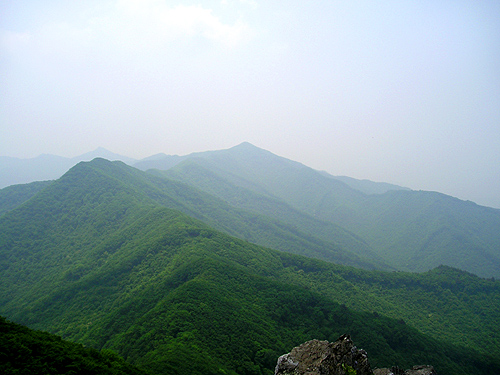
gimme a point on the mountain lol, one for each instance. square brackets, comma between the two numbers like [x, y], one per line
[260, 170]
[367, 186]
[25, 351]
[385, 226]
[101, 152]
[197, 174]
[219, 214]
[409, 230]
[419, 230]
[159, 161]
[20, 171]
[99, 258]
[15, 195]
[14, 171]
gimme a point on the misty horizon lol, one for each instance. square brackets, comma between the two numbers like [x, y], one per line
[400, 92]
[102, 152]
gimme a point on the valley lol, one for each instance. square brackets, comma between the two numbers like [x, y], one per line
[228, 259]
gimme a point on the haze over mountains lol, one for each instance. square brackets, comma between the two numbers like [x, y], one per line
[50, 167]
[47, 167]
[220, 261]
[373, 225]
[165, 274]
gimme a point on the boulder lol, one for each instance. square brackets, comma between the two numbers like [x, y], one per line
[341, 357]
[317, 357]
[415, 370]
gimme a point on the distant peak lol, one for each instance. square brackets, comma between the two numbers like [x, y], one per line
[101, 152]
[246, 146]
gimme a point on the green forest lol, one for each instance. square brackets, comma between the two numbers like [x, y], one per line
[171, 278]
[26, 352]
[407, 230]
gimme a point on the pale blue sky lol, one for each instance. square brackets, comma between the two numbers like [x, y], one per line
[406, 92]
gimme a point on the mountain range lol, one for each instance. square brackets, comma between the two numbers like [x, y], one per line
[384, 225]
[50, 167]
[219, 262]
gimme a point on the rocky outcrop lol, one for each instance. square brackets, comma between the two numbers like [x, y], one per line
[341, 357]
[324, 358]
[415, 370]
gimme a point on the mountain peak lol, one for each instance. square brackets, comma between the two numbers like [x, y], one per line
[101, 152]
[245, 146]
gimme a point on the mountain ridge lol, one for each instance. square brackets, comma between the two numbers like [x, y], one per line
[398, 224]
[95, 258]
[15, 171]
[35, 169]
[408, 230]
[244, 224]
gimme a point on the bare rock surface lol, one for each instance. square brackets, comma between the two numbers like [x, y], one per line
[341, 357]
[415, 370]
[325, 358]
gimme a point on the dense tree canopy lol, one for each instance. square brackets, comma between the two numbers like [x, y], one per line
[108, 257]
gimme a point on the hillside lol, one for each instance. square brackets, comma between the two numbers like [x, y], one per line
[98, 258]
[218, 214]
[15, 195]
[15, 171]
[426, 229]
[25, 351]
[377, 224]
[367, 186]
[409, 230]
[198, 174]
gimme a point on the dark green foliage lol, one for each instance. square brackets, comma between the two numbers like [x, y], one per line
[445, 303]
[24, 351]
[15, 195]
[97, 258]
[236, 318]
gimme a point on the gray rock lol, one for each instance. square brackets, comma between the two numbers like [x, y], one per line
[341, 357]
[415, 370]
[421, 370]
[383, 371]
[317, 357]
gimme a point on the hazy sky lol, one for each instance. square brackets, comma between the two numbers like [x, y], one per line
[406, 92]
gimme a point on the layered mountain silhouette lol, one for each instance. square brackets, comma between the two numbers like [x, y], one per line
[166, 269]
[409, 230]
[386, 226]
[15, 171]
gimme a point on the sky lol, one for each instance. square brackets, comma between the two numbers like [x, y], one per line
[405, 92]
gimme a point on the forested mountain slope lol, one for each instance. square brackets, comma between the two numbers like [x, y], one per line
[401, 229]
[419, 230]
[213, 211]
[100, 260]
[14, 171]
[410, 230]
[366, 186]
[25, 351]
[15, 195]
[198, 174]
